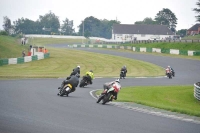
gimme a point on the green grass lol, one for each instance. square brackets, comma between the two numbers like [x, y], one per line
[11, 47]
[196, 37]
[173, 98]
[62, 61]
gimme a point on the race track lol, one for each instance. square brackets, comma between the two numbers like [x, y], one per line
[32, 106]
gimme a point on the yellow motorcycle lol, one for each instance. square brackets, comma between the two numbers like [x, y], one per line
[65, 90]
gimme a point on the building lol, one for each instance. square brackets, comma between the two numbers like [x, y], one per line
[195, 29]
[131, 32]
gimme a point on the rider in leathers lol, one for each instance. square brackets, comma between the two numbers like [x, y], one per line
[75, 71]
[73, 80]
[108, 85]
[90, 76]
[125, 70]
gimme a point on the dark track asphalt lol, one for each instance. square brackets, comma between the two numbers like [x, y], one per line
[32, 106]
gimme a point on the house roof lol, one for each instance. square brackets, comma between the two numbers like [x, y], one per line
[141, 29]
[194, 27]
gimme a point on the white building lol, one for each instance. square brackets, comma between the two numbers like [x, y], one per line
[131, 32]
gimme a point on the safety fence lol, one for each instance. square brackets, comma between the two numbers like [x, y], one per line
[143, 49]
[21, 60]
[197, 90]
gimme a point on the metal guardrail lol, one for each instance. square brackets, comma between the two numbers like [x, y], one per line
[197, 90]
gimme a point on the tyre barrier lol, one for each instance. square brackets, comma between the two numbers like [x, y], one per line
[197, 90]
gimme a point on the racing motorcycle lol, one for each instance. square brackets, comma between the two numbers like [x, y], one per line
[173, 73]
[84, 82]
[108, 94]
[169, 75]
[122, 74]
[65, 90]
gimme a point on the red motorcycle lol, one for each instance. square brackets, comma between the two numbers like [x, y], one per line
[107, 94]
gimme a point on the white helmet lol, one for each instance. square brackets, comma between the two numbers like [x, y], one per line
[78, 66]
[168, 66]
[117, 80]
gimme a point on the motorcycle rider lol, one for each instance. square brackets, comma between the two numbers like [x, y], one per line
[108, 85]
[170, 68]
[75, 71]
[125, 70]
[73, 80]
[90, 76]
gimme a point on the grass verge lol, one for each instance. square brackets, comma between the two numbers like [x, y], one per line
[172, 98]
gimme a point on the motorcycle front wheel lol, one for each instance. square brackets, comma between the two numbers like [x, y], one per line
[100, 98]
[106, 98]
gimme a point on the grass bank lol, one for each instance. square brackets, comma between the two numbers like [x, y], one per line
[10, 47]
[172, 98]
[62, 61]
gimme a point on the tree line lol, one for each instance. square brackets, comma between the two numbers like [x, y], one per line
[49, 24]
[90, 26]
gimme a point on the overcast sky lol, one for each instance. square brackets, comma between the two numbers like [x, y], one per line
[126, 11]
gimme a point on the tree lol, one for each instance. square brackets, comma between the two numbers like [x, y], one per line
[7, 24]
[50, 23]
[27, 26]
[97, 28]
[182, 32]
[67, 27]
[197, 10]
[147, 20]
[167, 17]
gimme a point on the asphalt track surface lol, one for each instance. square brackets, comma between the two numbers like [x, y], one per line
[32, 106]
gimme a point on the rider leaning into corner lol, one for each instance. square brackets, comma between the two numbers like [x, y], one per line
[124, 69]
[73, 80]
[76, 70]
[90, 76]
[108, 85]
[169, 69]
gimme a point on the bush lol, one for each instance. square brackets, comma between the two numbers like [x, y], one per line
[3, 33]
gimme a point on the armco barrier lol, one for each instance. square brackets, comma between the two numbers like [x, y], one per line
[197, 90]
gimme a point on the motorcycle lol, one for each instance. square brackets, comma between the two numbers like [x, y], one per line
[65, 90]
[107, 95]
[84, 81]
[122, 74]
[169, 75]
[173, 73]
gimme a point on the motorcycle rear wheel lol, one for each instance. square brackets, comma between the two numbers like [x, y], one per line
[82, 84]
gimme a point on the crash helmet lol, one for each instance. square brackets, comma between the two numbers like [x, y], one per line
[117, 80]
[91, 71]
[78, 66]
[168, 66]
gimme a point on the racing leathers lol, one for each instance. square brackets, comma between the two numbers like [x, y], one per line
[73, 80]
[125, 70]
[90, 76]
[75, 71]
[108, 85]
